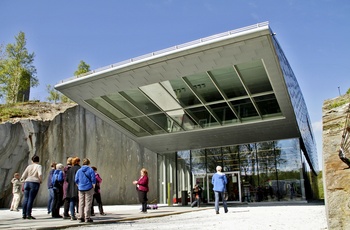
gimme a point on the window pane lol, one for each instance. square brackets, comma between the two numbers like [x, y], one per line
[140, 101]
[267, 104]
[148, 125]
[182, 93]
[289, 169]
[133, 127]
[229, 82]
[230, 158]
[224, 112]
[122, 105]
[214, 158]
[245, 108]
[204, 87]
[166, 123]
[254, 77]
[267, 189]
[203, 117]
[105, 108]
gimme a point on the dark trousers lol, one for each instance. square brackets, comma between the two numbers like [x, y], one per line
[97, 197]
[66, 207]
[57, 201]
[143, 200]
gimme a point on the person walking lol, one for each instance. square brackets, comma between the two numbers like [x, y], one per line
[66, 199]
[219, 182]
[16, 192]
[142, 189]
[86, 180]
[32, 176]
[72, 190]
[57, 183]
[50, 187]
[97, 194]
[197, 191]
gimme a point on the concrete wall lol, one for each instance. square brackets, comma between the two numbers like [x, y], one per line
[336, 177]
[75, 132]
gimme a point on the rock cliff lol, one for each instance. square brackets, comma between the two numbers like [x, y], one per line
[75, 132]
[336, 177]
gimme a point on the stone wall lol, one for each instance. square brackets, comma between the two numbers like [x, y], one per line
[336, 176]
[75, 132]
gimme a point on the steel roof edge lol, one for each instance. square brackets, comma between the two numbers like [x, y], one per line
[259, 27]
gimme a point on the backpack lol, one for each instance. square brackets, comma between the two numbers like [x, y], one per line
[56, 179]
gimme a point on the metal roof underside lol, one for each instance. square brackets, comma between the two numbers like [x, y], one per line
[224, 90]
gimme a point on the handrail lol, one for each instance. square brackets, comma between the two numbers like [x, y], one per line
[198, 41]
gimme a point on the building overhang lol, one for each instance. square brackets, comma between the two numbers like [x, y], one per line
[221, 90]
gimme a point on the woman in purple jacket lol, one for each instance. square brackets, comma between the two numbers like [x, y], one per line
[142, 189]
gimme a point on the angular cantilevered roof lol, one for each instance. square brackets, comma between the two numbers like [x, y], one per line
[221, 90]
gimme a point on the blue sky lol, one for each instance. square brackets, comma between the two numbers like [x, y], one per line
[314, 35]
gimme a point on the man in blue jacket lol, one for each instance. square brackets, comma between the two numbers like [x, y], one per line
[219, 182]
[85, 179]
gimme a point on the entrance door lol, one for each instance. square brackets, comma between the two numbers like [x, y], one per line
[200, 179]
[233, 187]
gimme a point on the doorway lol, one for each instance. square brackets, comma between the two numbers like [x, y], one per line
[233, 186]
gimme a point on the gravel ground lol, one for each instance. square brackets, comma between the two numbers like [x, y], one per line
[308, 217]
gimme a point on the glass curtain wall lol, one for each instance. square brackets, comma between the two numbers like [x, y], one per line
[264, 171]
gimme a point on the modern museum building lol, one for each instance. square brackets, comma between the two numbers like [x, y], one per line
[230, 99]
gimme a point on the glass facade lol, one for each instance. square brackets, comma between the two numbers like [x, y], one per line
[308, 143]
[220, 97]
[256, 172]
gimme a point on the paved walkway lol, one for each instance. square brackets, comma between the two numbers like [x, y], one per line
[115, 213]
[125, 213]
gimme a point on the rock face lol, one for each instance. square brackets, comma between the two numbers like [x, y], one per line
[75, 132]
[336, 177]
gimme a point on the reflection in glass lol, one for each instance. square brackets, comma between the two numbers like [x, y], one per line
[132, 127]
[176, 105]
[267, 104]
[230, 156]
[224, 113]
[140, 101]
[264, 171]
[289, 169]
[182, 93]
[204, 87]
[148, 125]
[245, 108]
[166, 123]
[198, 161]
[214, 158]
[202, 117]
[267, 180]
[105, 108]
[229, 82]
[254, 76]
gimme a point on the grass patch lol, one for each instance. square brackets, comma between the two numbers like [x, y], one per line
[15, 111]
[337, 103]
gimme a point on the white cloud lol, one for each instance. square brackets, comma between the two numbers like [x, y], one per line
[317, 126]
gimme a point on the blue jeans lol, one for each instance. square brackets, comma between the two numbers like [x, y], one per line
[217, 197]
[30, 191]
[72, 204]
[49, 204]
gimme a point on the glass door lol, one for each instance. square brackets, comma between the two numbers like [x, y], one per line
[233, 187]
[200, 179]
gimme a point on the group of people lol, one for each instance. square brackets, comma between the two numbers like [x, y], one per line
[73, 186]
[76, 187]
